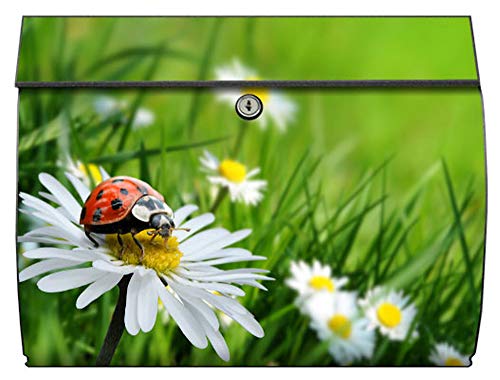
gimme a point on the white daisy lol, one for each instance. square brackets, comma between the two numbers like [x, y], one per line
[233, 175]
[107, 106]
[186, 263]
[446, 355]
[336, 319]
[85, 173]
[391, 312]
[308, 280]
[277, 107]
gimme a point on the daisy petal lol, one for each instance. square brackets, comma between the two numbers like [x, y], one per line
[97, 289]
[57, 253]
[194, 225]
[131, 311]
[220, 243]
[213, 335]
[201, 307]
[82, 190]
[184, 319]
[182, 213]
[108, 267]
[104, 173]
[69, 279]
[203, 239]
[43, 267]
[63, 196]
[147, 303]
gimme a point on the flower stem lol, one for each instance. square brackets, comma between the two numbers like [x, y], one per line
[236, 149]
[239, 138]
[116, 327]
[220, 197]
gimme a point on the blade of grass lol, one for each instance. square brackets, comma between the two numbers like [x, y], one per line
[122, 157]
[195, 105]
[143, 164]
[289, 183]
[358, 190]
[458, 221]
[135, 106]
[380, 239]
[138, 54]
[420, 262]
[396, 249]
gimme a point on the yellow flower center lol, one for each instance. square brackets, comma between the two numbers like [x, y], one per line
[261, 92]
[389, 315]
[340, 325]
[233, 170]
[95, 173]
[160, 254]
[453, 362]
[322, 283]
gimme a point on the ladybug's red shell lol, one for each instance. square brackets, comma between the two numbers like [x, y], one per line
[113, 199]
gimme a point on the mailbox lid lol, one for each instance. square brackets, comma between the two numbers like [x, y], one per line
[88, 49]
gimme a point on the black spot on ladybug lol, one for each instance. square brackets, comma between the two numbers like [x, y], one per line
[143, 190]
[97, 215]
[84, 212]
[124, 191]
[149, 203]
[117, 180]
[99, 195]
[158, 203]
[116, 204]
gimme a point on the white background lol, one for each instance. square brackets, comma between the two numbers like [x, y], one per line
[486, 21]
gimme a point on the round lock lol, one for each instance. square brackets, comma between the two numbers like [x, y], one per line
[249, 107]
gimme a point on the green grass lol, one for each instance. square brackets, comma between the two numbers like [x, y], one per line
[386, 186]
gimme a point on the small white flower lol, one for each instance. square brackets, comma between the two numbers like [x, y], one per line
[85, 173]
[391, 312]
[106, 106]
[277, 107]
[336, 319]
[446, 355]
[143, 117]
[234, 176]
[309, 280]
[185, 263]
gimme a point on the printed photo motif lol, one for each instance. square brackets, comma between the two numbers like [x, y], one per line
[342, 227]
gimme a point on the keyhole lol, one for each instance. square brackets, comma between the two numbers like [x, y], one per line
[248, 105]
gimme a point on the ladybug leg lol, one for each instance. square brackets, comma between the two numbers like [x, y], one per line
[87, 233]
[153, 235]
[120, 241]
[138, 244]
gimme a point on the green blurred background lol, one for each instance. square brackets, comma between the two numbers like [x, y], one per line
[285, 48]
[367, 180]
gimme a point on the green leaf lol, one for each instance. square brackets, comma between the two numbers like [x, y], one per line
[122, 157]
[458, 222]
[41, 135]
[420, 262]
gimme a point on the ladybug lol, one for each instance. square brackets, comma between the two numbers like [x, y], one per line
[121, 205]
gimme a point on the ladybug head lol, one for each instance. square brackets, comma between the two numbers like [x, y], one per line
[162, 223]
